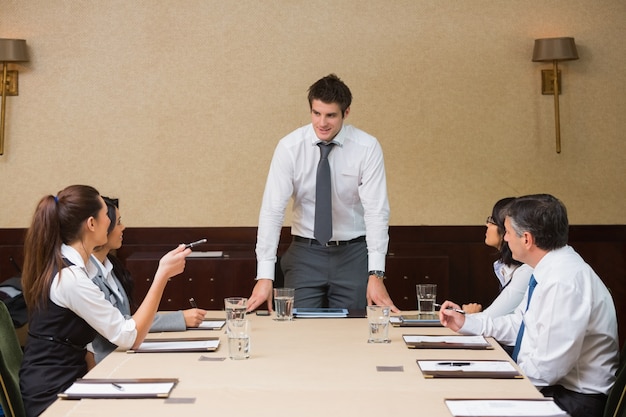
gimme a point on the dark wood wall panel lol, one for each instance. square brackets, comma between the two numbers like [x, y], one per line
[454, 257]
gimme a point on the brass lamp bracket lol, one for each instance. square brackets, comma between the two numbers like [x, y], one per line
[547, 82]
[11, 85]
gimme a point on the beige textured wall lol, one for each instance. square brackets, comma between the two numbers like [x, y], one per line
[175, 106]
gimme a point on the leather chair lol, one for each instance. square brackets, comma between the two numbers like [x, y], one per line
[616, 403]
[10, 360]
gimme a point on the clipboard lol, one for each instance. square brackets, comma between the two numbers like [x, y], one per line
[504, 407]
[191, 344]
[320, 312]
[485, 369]
[119, 388]
[414, 341]
[209, 324]
[415, 320]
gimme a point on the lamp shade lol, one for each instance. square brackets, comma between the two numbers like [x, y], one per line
[13, 50]
[559, 49]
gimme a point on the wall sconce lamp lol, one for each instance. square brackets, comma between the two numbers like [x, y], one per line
[555, 50]
[11, 50]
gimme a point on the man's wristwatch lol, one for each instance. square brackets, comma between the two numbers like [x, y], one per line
[378, 274]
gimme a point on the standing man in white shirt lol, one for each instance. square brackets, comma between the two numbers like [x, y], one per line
[345, 270]
[565, 329]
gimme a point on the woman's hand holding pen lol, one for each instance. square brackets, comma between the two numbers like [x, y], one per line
[450, 316]
[194, 316]
[172, 263]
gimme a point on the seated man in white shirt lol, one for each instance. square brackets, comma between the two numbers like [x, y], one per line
[565, 329]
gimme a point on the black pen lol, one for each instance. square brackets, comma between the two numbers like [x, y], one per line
[193, 303]
[117, 386]
[196, 243]
[454, 363]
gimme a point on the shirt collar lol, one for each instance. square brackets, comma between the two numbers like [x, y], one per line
[545, 264]
[104, 269]
[74, 257]
[338, 140]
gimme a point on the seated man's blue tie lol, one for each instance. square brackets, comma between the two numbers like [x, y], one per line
[531, 287]
[323, 228]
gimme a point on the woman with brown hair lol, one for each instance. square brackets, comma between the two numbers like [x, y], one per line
[66, 309]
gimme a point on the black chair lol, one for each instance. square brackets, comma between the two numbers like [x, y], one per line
[616, 403]
[622, 359]
[10, 360]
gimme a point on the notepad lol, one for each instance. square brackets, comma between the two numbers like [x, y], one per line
[207, 344]
[320, 312]
[541, 407]
[498, 369]
[209, 324]
[416, 320]
[446, 342]
[119, 388]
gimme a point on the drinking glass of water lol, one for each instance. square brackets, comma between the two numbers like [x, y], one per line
[426, 298]
[283, 303]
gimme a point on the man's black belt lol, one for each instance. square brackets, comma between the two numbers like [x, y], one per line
[314, 242]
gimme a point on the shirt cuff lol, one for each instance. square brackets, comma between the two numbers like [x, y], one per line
[265, 270]
[376, 262]
[472, 326]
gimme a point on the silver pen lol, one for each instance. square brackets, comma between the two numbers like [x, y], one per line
[196, 243]
[458, 310]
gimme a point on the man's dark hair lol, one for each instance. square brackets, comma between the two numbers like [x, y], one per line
[543, 216]
[331, 89]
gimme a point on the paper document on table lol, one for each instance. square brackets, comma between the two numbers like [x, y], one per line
[468, 369]
[543, 407]
[446, 342]
[188, 345]
[209, 325]
[120, 388]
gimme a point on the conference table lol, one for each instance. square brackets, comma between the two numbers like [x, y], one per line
[304, 367]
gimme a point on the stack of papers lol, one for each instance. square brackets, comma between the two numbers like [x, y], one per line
[446, 342]
[543, 407]
[120, 388]
[320, 312]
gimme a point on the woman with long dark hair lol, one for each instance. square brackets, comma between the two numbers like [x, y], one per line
[115, 281]
[512, 275]
[66, 309]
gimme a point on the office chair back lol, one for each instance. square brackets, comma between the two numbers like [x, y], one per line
[616, 403]
[10, 360]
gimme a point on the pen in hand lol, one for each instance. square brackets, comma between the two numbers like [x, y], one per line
[196, 243]
[458, 310]
[193, 303]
